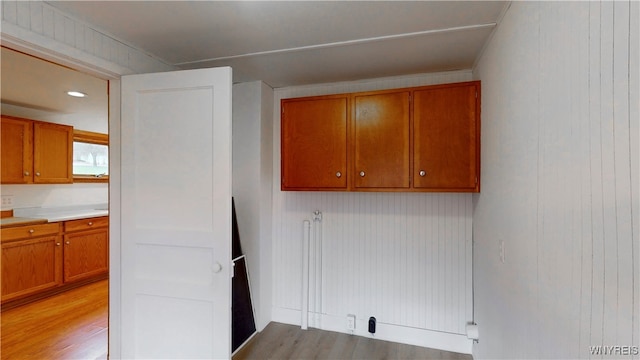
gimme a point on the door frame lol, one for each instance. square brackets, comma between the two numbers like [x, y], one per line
[84, 62]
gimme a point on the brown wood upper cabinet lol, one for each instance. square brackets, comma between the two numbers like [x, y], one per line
[381, 140]
[36, 152]
[314, 143]
[421, 139]
[446, 137]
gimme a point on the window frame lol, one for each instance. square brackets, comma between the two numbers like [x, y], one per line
[90, 137]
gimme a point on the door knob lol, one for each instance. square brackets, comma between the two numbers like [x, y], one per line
[338, 174]
[361, 173]
[423, 173]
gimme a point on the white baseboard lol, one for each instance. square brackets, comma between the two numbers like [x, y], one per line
[389, 332]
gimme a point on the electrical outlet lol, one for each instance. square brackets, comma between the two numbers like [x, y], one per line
[351, 322]
[7, 201]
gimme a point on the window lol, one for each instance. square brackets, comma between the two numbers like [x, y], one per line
[90, 156]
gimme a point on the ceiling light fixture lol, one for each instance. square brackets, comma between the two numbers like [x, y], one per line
[76, 94]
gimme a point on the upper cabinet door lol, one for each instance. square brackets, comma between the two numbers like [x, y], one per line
[447, 137]
[53, 153]
[381, 133]
[17, 151]
[314, 143]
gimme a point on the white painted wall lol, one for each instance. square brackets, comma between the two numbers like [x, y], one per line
[252, 177]
[26, 196]
[560, 126]
[403, 258]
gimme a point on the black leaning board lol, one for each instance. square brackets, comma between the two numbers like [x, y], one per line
[242, 322]
[236, 249]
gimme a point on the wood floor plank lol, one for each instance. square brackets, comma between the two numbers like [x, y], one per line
[70, 325]
[281, 341]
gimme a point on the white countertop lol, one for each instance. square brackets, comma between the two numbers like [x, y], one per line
[54, 214]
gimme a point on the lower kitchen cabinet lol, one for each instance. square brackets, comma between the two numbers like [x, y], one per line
[86, 248]
[38, 260]
[31, 260]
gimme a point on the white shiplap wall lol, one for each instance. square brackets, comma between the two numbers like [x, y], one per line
[404, 258]
[560, 183]
[32, 26]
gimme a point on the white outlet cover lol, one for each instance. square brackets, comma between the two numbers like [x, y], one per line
[351, 322]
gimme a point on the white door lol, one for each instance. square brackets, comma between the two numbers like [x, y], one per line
[176, 215]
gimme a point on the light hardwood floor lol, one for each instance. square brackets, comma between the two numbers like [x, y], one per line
[73, 325]
[280, 341]
[70, 325]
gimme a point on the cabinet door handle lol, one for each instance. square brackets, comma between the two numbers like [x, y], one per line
[26, 173]
[68, 243]
[58, 244]
[90, 223]
[361, 173]
[37, 173]
[31, 231]
[338, 174]
[423, 173]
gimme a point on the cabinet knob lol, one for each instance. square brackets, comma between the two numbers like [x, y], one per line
[31, 231]
[37, 174]
[423, 173]
[216, 268]
[90, 223]
[26, 173]
[68, 243]
[58, 244]
[361, 173]
[338, 174]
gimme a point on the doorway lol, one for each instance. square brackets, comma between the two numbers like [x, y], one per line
[34, 89]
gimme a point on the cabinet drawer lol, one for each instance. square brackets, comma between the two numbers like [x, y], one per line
[86, 224]
[29, 231]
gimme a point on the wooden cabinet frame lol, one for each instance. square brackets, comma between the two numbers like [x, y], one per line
[47, 263]
[41, 153]
[470, 164]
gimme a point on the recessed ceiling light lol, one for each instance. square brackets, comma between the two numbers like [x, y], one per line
[76, 94]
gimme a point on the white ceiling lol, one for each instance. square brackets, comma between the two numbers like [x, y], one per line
[286, 43]
[283, 43]
[36, 89]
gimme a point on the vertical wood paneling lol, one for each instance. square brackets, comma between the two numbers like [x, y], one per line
[23, 13]
[10, 11]
[36, 17]
[579, 257]
[373, 263]
[622, 164]
[634, 131]
[403, 258]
